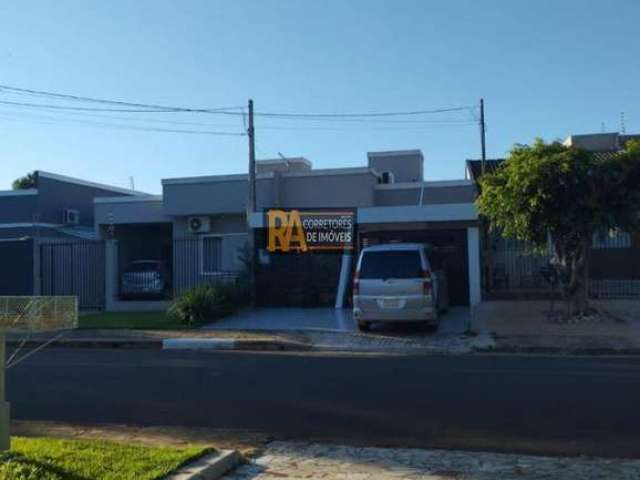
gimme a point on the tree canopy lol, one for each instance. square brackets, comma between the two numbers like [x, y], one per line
[548, 191]
[23, 183]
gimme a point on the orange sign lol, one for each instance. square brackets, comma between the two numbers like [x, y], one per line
[303, 231]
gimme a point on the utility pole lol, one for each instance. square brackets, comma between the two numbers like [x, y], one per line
[483, 163]
[251, 206]
[485, 263]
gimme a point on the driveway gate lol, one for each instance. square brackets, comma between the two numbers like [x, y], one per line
[74, 268]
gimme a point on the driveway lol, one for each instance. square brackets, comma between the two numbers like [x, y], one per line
[328, 328]
[329, 319]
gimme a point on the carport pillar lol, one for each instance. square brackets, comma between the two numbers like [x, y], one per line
[343, 281]
[473, 256]
[111, 273]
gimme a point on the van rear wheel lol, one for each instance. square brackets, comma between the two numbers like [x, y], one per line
[363, 326]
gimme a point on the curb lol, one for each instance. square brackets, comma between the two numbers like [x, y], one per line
[209, 467]
[543, 350]
[227, 344]
[232, 344]
[90, 343]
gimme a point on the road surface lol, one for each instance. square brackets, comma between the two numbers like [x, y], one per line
[532, 404]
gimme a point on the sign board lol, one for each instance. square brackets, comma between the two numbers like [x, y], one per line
[310, 230]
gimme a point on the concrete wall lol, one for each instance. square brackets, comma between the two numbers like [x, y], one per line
[55, 196]
[594, 141]
[289, 190]
[220, 224]
[407, 166]
[432, 195]
[18, 208]
[133, 210]
[187, 249]
[295, 164]
[352, 190]
[201, 197]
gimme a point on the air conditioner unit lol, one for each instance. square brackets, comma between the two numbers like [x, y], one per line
[199, 224]
[71, 216]
[387, 177]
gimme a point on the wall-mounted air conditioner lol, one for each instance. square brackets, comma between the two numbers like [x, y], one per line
[70, 216]
[199, 225]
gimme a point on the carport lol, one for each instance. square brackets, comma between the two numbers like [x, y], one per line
[452, 229]
[449, 251]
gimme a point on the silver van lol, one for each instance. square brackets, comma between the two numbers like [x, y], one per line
[395, 283]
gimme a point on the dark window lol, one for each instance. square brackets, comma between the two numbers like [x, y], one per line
[391, 264]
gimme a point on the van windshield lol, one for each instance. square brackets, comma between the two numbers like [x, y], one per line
[391, 264]
[137, 267]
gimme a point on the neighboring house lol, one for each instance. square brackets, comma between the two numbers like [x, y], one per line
[510, 269]
[58, 209]
[198, 226]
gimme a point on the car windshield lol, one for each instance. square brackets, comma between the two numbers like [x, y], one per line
[144, 267]
[391, 264]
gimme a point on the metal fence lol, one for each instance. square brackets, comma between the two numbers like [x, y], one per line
[74, 268]
[514, 268]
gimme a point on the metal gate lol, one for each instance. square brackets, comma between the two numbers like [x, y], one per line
[16, 273]
[74, 268]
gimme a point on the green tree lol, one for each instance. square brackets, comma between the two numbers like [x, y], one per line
[550, 192]
[23, 183]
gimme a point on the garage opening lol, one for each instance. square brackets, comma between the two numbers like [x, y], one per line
[449, 252]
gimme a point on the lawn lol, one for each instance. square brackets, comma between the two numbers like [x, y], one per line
[55, 459]
[135, 320]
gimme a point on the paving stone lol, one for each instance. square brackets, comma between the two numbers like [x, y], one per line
[315, 461]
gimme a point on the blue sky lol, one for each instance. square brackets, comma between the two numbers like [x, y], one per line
[545, 68]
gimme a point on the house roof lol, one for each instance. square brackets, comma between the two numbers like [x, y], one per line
[474, 167]
[86, 183]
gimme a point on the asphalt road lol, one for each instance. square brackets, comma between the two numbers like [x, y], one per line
[508, 403]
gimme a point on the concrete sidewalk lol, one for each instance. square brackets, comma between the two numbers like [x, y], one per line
[525, 326]
[297, 460]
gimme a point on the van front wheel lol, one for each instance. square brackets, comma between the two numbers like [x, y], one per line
[363, 326]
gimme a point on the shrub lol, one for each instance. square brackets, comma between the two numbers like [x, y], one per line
[204, 303]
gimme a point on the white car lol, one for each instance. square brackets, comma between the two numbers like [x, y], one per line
[395, 283]
[145, 278]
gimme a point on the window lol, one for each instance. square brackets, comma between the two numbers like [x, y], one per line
[611, 239]
[211, 258]
[391, 264]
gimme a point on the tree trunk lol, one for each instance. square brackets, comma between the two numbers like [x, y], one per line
[579, 284]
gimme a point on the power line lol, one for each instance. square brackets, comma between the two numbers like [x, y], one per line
[134, 119]
[362, 115]
[148, 106]
[115, 126]
[133, 107]
[124, 110]
[364, 125]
